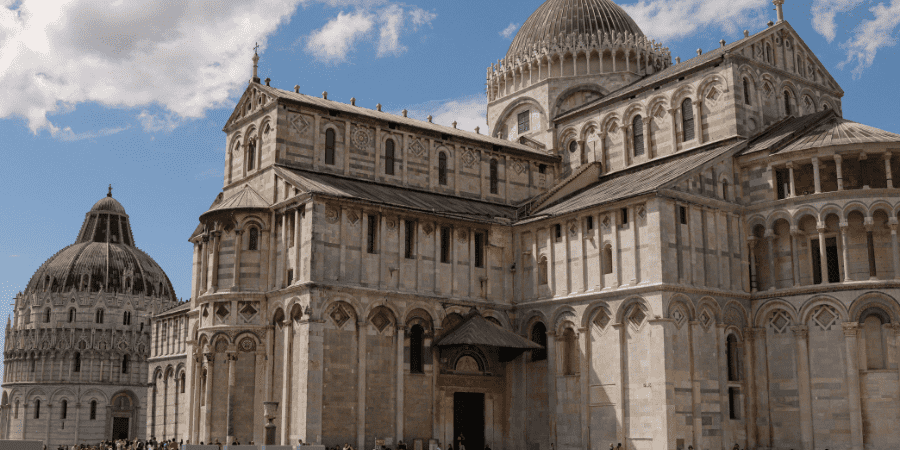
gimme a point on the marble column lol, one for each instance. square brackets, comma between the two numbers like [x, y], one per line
[401, 336]
[214, 283]
[287, 364]
[204, 264]
[801, 334]
[770, 243]
[853, 395]
[754, 271]
[698, 119]
[284, 245]
[298, 227]
[887, 170]
[229, 418]
[584, 335]
[870, 248]
[673, 113]
[361, 328]
[195, 394]
[823, 257]
[648, 137]
[845, 251]
[795, 259]
[840, 174]
[210, 365]
[750, 388]
[552, 371]
[694, 331]
[817, 179]
[236, 279]
[793, 190]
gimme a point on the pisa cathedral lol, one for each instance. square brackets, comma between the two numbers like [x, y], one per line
[636, 250]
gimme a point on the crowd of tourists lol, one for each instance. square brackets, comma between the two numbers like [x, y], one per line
[123, 444]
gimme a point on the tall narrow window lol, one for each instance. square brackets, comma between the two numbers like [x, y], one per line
[37, 409]
[93, 410]
[687, 119]
[415, 349]
[746, 91]
[409, 250]
[782, 183]
[543, 276]
[251, 154]
[769, 56]
[524, 122]
[872, 325]
[589, 223]
[479, 249]
[126, 318]
[64, 410]
[682, 215]
[389, 157]
[787, 103]
[99, 316]
[570, 352]
[76, 364]
[624, 215]
[442, 169]
[182, 382]
[446, 235]
[724, 189]
[607, 260]
[16, 412]
[125, 360]
[734, 403]
[494, 181]
[557, 233]
[329, 147]
[638, 135]
[253, 240]
[734, 358]
[539, 337]
[372, 234]
[71, 315]
[47, 315]
[290, 277]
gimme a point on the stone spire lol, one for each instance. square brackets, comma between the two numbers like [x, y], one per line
[779, 7]
[255, 63]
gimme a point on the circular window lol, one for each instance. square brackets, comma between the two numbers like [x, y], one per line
[573, 146]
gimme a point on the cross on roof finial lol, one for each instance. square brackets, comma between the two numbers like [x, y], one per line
[109, 194]
[256, 48]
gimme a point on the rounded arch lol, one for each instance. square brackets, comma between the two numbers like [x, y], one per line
[881, 205]
[239, 339]
[660, 101]
[530, 318]
[768, 306]
[776, 216]
[829, 209]
[735, 314]
[755, 221]
[348, 302]
[562, 316]
[874, 299]
[568, 134]
[683, 92]
[609, 122]
[501, 118]
[750, 73]
[419, 316]
[592, 310]
[854, 206]
[564, 95]
[62, 393]
[372, 308]
[295, 309]
[712, 306]
[709, 82]
[220, 342]
[587, 129]
[626, 305]
[811, 305]
[35, 393]
[499, 316]
[802, 212]
[251, 220]
[634, 109]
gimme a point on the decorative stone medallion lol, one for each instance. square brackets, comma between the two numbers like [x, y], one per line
[518, 167]
[416, 148]
[463, 236]
[352, 217]
[779, 322]
[361, 138]
[469, 158]
[247, 345]
[339, 316]
[601, 320]
[381, 321]
[427, 228]
[300, 124]
[332, 215]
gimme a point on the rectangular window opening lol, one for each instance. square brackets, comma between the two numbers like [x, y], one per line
[589, 222]
[445, 244]
[682, 214]
[479, 249]
[410, 239]
[816, 261]
[524, 123]
[372, 234]
[734, 403]
[624, 212]
[557, 232]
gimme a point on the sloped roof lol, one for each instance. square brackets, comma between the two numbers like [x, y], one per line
[641, 180]
[246, 198]
[476, 330]
[341, 187]
[822, 129]
[373, 114]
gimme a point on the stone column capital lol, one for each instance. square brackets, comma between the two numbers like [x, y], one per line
[837, 158]
[851, 329]
[770, 234]
[887, 156]
[800, 331]
[896, 328]
[210, 358]
[795, 231]
[844, 226]
[789, 165]
[815, 160]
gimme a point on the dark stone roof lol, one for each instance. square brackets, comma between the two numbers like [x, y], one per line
[565, 17]
[245, 199]
[476, 330]
[108, 204]
[817, 130]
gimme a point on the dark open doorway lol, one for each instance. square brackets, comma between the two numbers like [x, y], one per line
[468, 420]
[120, 428]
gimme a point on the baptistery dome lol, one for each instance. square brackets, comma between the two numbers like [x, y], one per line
[103, 258]
[580, 17]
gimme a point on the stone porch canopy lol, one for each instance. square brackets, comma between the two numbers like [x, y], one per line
[476, 330]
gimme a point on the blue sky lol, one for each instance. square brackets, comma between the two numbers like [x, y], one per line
[135, 94]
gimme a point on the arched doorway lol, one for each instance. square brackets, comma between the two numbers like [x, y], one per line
[120, 424]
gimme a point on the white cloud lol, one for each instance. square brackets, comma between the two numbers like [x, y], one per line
[332, 42]
[338, 38]
[509, 31]
[824, 13]
[673, 19]
[153, 123]
[469, 112]
[186, 56]
[872, 35]
[66, 134]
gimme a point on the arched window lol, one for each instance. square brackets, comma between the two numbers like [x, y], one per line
[787, 103]
[329, 146]
[872, 322]
[769, 55]
[47, 315]
[389, 157]
[37, 409]
[251, 154]
[93, 409]
[64, 410]
[542, 271]
[494, 177]
[607, 260]
[687, 119]
[125, 363]
[570, 352]
[637, 132]
[76, 365]
[734, 358]
[253, 239]
[746, 91]
[442, 169]
[573, 147]
[99, 316]
[415, 349]
[182, 382]
[724, 189]
[126, 318]
[539, 336]
[71, 315]
[16, 413]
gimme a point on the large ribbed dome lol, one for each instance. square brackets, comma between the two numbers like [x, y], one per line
[565, 17]
[103, 257]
